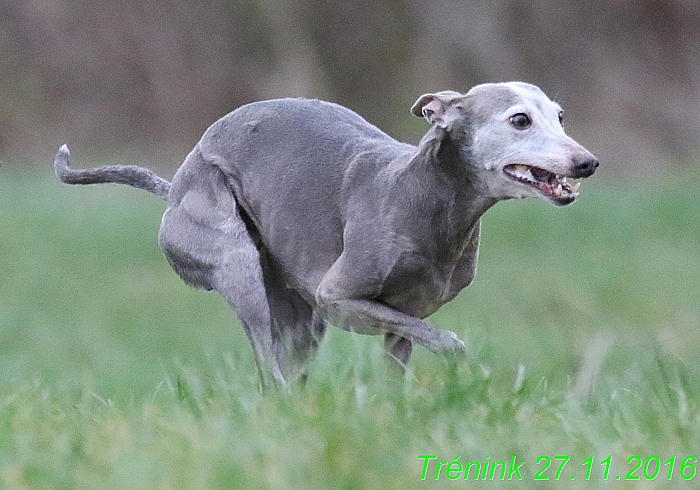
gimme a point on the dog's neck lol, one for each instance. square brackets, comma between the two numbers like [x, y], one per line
[448, 161]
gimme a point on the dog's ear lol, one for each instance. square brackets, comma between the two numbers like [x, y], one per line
[441, 108]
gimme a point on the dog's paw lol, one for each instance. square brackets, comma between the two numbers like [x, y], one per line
[450, 344]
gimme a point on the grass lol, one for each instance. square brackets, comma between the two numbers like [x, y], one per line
[582, 333]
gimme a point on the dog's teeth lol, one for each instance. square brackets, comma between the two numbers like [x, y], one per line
[524, 170]
[576, 194]
[574, 189]
[563, 181]
[558, 191]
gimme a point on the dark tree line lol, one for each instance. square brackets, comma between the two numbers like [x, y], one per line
[146, 77]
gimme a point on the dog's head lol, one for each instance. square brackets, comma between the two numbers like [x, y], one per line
[512, 136]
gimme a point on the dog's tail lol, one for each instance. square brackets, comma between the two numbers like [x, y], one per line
[138, 177]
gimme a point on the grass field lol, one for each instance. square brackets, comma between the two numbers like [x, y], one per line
[583, 334]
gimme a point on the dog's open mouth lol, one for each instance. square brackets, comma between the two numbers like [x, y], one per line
[552, 186]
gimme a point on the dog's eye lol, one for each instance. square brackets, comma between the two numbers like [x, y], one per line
[561, 118]
[520, 120]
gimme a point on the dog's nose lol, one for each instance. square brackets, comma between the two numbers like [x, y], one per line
[585, 166]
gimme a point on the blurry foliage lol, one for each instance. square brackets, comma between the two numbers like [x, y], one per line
[146, 77]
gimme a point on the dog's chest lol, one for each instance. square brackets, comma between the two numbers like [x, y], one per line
[419, 284]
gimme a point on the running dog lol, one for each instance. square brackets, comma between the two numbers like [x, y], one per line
[301, 214]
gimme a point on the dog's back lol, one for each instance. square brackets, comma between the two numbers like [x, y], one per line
[289, 163]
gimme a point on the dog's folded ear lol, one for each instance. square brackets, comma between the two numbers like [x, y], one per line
[441, 108]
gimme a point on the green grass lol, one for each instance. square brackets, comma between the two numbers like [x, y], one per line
[582, 329]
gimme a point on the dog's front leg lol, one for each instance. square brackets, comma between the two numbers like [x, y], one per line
[397, 351]
[345, 298]
[372, 318]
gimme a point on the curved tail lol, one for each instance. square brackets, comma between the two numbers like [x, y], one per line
[138, 177]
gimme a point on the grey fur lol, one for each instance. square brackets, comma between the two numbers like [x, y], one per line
[138, 177]
[300, 213]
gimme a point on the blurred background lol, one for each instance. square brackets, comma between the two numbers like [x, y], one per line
[115, 374]
[142, 79]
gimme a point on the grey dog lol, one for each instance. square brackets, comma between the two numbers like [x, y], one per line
[300, 213]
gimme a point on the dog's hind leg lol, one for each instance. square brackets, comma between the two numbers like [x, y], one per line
[297, 330]
[208, 244]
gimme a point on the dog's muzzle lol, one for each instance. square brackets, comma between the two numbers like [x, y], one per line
[584, 166]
